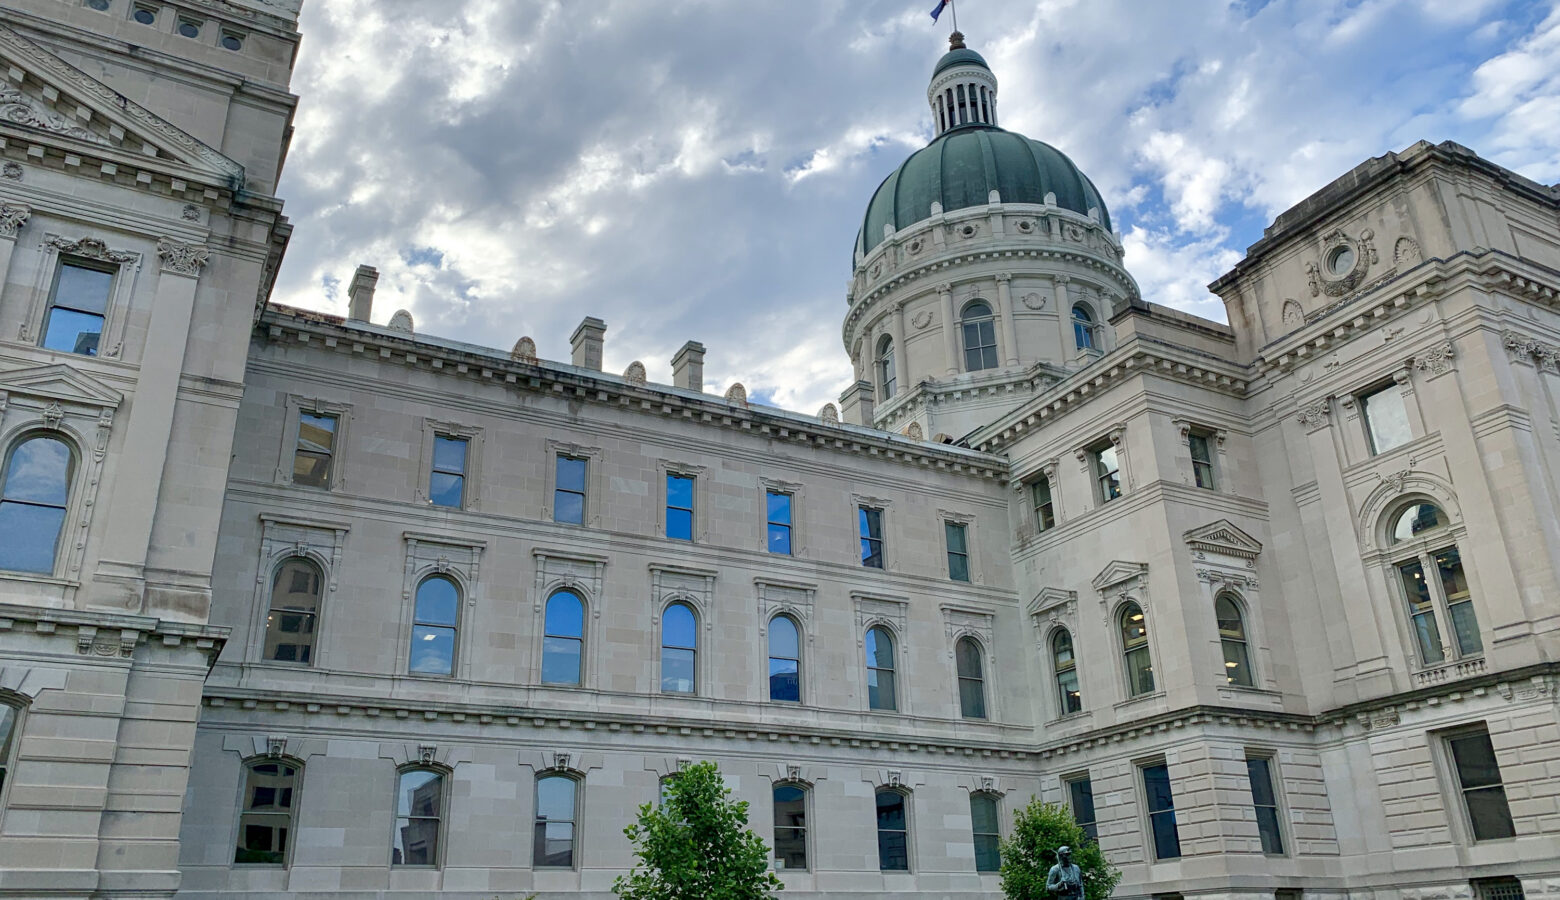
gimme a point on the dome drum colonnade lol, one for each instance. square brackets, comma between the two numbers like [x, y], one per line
[970, 262]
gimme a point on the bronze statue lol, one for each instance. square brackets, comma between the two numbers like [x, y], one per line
[1064, 881]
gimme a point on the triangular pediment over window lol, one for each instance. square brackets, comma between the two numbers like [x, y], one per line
[45, 99]
[1224, 538]
[1117, 572]
[59, 382]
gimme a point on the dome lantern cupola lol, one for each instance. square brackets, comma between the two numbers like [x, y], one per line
[963, 89]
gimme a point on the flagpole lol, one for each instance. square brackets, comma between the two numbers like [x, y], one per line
[954, 9]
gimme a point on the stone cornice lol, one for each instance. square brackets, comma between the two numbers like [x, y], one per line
[286, 325]
[1138, 356]
[114, 635]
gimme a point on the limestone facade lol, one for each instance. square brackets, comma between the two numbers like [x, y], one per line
[344, 609]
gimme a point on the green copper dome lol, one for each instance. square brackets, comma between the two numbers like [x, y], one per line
[963, 166]
[956, 57]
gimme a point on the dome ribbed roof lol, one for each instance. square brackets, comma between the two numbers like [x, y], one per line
[956, 57]
[962, 167]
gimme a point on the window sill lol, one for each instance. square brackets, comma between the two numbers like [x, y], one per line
[37, 578]
[1140, 698]
[1081, 715]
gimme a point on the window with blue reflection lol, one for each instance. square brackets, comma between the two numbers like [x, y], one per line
[778, 512]
[563, 639]
[881, 690]
[419, 812]
[433, 627]
[1161, 812]
[556, 810]
[679, 649]
[1083, 328]
[893, 828]
[74, 322]
[869, 521]
[447, 482]
[785, 660]
[679, 507]
[569, 493]
[33, 496]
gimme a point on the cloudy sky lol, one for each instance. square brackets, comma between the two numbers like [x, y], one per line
[697, 169]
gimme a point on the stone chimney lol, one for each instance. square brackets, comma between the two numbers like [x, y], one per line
[688, 367]
[360, 296]
[856, 404]
[586, 341]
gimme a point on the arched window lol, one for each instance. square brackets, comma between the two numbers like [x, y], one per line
[888, 383]
[1420, 545]
[881, 690]
[290, 623]
[785, 660]
[557, 808]
[980, 337]
[679, 649]
[10, 736]
[1083, 327]
[987, 833]
[265, 818]
[563, 639]
[1134, 649]
[33, 497]
[1068, 696]
[433, 627]
[791, 826]
[893, 831]
[419, 817]
[1232, 635]
[972, 679]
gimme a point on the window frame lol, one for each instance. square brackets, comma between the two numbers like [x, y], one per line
[883, 364]
[10, 749]
[995, 800]
[805, 828]
[960, 525]
[465, 458]
[271, 609]
[1425, 550]
[1147, 648]
[582, 638]
[1243, 616]
[1069, 782]
[691, 509]
[1062, 703]
[1454, 779]
[769, 657]
[296, 407]
[865, 541]
[908, 831]
[1044, 512]
[981, 323]
[1269, 759]
[770, 524]
[73, 467]
[1149, 812]
[1100, 475]
[693, 611]
[114, 270]
[1209, 441]
[893, 669]
[455, 637]
[435, 431]
[575, 823]
[1086, 329]
[245, 767]
[442, 834]
[1362, 399]
[981, 678]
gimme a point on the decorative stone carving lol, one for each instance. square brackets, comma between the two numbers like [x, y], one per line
[524, 351]
[1437, 360]
[635, 373]
[829, 415]
[914, 432]
[1326, 278]
[1024, 226]
[52, 414]
[12, 217]
[1294, 316]
[20, 109]
[736, 395]
[190, 213]
[402, 322]
[922, 319]
[182, 259]
[1072, 231]
[1405, 253]
[90, 248]
[968, 230]
[1397, 481]
[1315, 415]
[916, 246]
[1032, 300]
[275, 746]
[12, 171]
[896, 778]
[427, 754]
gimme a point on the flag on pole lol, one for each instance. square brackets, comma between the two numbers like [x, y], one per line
[937, 10]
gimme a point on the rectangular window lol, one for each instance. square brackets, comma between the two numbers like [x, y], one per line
[1107, 473]
[679, 507]
[447, 481]
[316, 444]
[78, 308]
[1202, 460]
[870, 523]
[1386, 419]
[1259, 769]
[569, 491]
[1459, 602]
[778, 512]
[958, 551]
[1478, 778]
[1421, 612]
[1045, 508]
[1161, 811]
[1499, 888]
[1080, 797]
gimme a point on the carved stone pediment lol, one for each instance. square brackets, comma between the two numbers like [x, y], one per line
[1051, 600]
[62, 383]
[54, 97]
[1223, 538]
[1119, 573]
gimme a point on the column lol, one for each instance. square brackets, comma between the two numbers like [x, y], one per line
[1009, 327]
[950, 327]
[897, 335]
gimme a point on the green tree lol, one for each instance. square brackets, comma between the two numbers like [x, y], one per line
[696, 845]
[1030, 851]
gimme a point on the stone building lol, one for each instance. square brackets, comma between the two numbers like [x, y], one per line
[298, 603]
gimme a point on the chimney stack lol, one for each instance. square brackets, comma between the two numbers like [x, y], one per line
[360, 296]
[688, 367]
[586, 341]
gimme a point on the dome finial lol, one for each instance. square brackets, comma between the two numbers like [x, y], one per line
[956, 41]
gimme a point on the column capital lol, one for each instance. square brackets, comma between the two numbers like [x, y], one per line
[182, 259]
[12, 217]
[1004, 277]
[945, 288]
